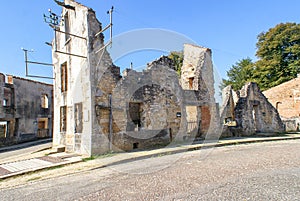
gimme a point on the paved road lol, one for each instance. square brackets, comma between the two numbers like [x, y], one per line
[23, 153]
[262, 171]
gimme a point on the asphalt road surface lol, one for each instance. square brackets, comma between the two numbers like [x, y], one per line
[23, 152]
[262, 171]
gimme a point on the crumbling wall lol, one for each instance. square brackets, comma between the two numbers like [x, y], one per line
[28, 105]
[23, 110]
[197, 76]
[157, 100]
[252, 112]
[94, 81]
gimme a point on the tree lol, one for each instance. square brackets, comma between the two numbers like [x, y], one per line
[177, 58]
[239, 74]
[278, 51]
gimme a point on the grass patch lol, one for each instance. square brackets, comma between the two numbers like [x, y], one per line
[108, 154]
[33, 179]
[89, 158]
[54, 167]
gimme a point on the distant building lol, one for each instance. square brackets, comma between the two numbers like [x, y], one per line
[26, 110]
[286, 99]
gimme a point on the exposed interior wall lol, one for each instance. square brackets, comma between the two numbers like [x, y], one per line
[252, 112]
[145, 107]
[197, 76]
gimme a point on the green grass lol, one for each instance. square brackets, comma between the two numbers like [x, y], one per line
[33, 179]
[54, 167]
[108, 154]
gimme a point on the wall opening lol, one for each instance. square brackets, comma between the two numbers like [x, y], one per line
[192, 119]
[5, 102]
[135, 114]
[64, 77]
[205, 119]
[191, 83]
[67, 26]
[63, 119]
[10, 79]
[3, 129]
[135, 145]
[43, 129]
[78, 117]
[255, 118]
[44, 101]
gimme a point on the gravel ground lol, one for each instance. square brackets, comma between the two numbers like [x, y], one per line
[262, 171]
[265, 171]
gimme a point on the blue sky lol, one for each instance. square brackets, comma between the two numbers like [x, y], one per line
[229, 28]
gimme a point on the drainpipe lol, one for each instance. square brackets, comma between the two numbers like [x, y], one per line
[110, 122]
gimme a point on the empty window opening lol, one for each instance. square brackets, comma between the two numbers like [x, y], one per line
[191, 82]
[192, 117]
[64, 77]
[135, 113]
[5, 102]
[10, 79]
[43, 130]
[255, 118]
[135, 145]
[63, 118]
[205, 118]
[44, 101]
[67, 26]
[3, 129]
[78, 117]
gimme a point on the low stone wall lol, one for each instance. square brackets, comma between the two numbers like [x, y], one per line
[292, 124]
[141, 139]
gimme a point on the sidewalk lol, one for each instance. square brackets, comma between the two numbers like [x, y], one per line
[59, 159]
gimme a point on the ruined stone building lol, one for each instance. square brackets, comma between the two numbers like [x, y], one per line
[248, 112]
[97, 110]
[286, 99]
[25, 110]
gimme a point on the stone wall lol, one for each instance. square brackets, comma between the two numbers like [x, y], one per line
[286, 98]
[147, 107]
[197, 77]
[78, 82]
[23, 113]
[251, 111]
[155, 98]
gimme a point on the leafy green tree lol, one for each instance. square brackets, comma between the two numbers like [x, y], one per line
[177, 58]
[278, 51]
[239, 74]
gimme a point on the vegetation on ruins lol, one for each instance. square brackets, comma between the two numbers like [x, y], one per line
[177, 58]
[278, 52]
